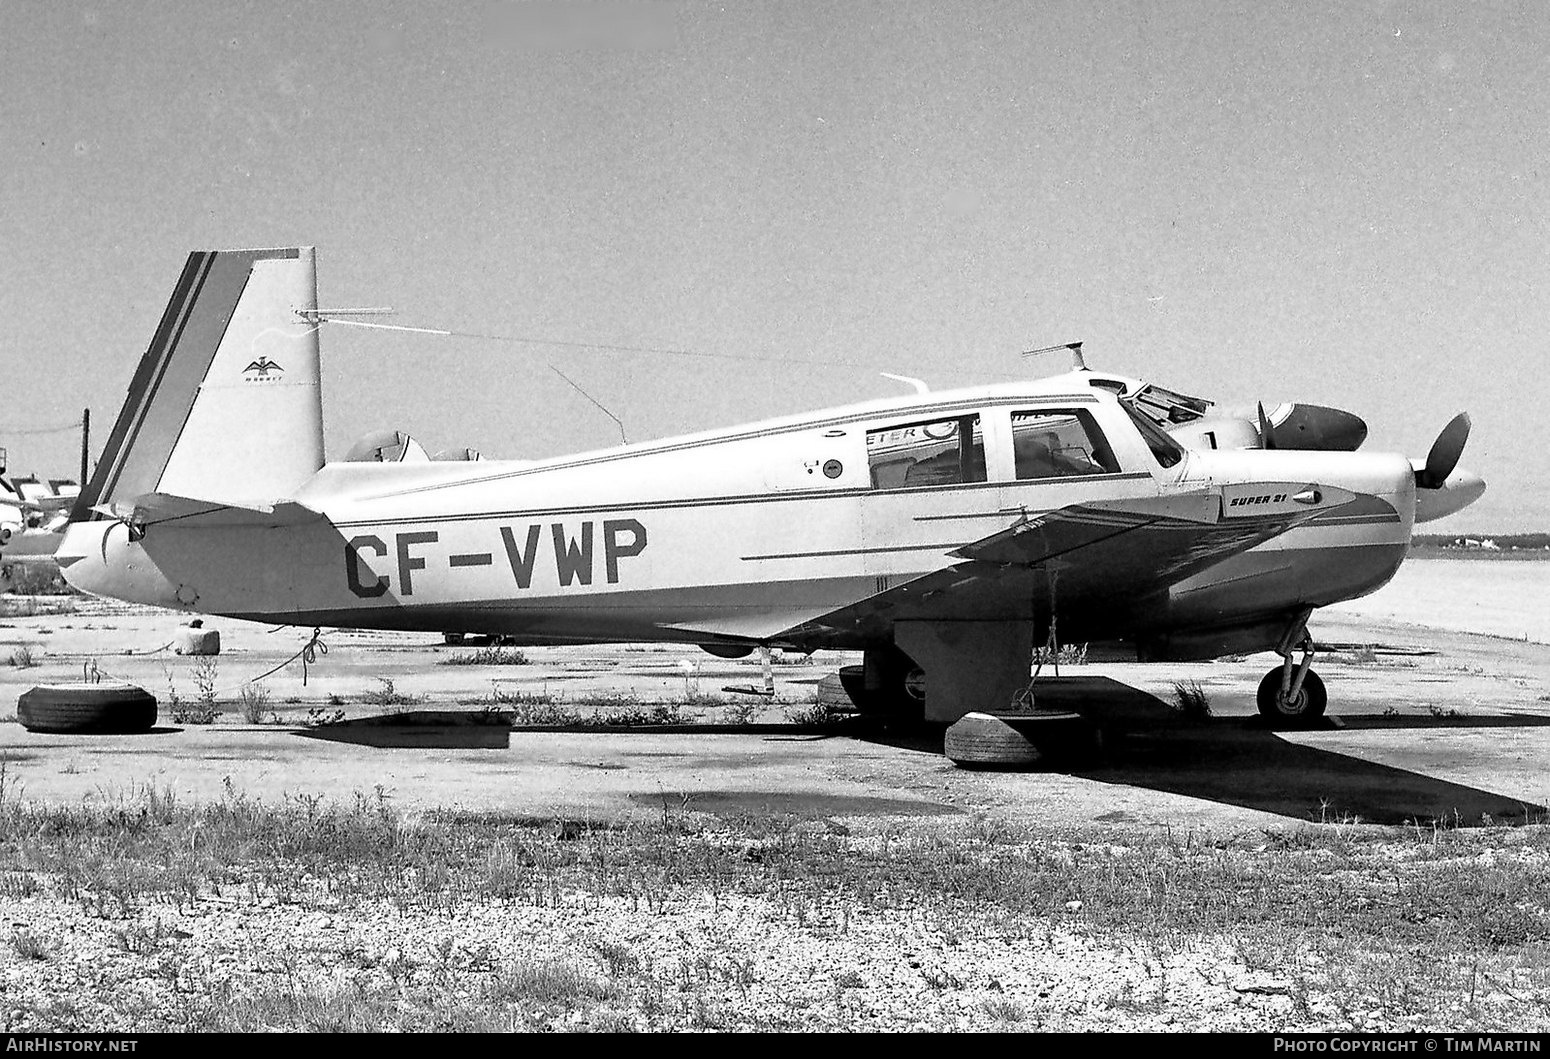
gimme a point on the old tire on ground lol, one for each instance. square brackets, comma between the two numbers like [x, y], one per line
[853, 680]
[833, 696]
[978, 740]
[105, 708]
[1306, 708]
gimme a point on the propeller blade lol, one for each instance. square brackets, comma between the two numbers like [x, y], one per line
[1267, 437]
[1445, 453]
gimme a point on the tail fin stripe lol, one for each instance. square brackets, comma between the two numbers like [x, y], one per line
[196, 317]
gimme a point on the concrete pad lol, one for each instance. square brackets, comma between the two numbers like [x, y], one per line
[1433, 724]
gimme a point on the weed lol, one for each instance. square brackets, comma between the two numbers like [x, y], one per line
[21, 658]
[637, 715]
[1069, 655]
[738, 713]
[252, 701]
[319, 716]
[1363, 656]
[608, 700]
[191, 712]
[28, 945]
[1004, 1009]
[387, 695]
[813, 715]
[544, 982]
[1440, 711]
[620, 960]
[487, 656]
[1191, 700]
[206, 672]
[40, 579]
[543, 712]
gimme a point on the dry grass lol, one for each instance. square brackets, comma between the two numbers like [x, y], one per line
[1191, 701]
[1398, 921]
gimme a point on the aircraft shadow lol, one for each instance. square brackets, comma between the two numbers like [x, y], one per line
[419, 729]
[1244, 762]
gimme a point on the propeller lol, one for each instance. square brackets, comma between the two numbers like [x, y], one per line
[1445, 453]
[1267, 436]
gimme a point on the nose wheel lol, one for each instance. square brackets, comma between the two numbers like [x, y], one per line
[1292, 693]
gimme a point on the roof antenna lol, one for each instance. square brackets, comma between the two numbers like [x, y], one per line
[573, 385]
[919, 384]
[1077, 363]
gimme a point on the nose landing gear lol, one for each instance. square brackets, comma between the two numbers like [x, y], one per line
[1292, 693]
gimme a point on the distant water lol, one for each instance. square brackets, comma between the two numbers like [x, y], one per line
[1501, 597]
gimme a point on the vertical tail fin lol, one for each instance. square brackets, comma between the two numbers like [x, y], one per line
[226, 404]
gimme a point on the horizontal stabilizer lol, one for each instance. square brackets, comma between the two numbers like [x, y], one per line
[156, 508]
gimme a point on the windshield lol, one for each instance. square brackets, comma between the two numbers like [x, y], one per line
[1164, 448]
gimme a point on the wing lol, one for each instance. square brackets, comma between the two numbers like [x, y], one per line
[1098, 559]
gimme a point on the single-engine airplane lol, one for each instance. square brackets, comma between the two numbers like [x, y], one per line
[941, 534]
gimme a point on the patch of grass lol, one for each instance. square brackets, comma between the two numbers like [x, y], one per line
[487, 656]
[636, 715]
[542, 712]
[39, 579]
[386, 694]
[184, 712]
[608, 700]
[1191, 701]
[28, 945]
[1005, 1009]
[813, 714]
[1409, 925]
[738, 713]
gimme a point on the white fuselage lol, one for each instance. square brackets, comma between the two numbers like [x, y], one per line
[729, 535]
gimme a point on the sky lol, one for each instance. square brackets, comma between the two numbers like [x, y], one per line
[1343, 203]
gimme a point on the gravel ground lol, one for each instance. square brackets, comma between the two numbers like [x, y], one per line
[730, 964]
[690, 958]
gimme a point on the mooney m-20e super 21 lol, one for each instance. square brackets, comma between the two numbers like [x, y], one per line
[942, 534]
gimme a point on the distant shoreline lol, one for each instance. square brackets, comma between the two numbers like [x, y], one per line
[1433, 551]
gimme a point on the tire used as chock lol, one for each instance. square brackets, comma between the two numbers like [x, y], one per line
[1009, 741]
[978, 740]
[833, 696]
[87, 708]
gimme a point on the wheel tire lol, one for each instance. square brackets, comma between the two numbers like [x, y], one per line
[978, 740]
[97, 708]
[1308, 707]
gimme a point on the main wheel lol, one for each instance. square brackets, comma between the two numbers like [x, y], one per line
[890, 687]
[1306, 706]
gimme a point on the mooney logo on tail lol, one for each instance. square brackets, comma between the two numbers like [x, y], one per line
[259, 370]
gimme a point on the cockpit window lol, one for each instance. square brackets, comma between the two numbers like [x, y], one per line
[1164, 448]
[1053, 444]
[940, 452]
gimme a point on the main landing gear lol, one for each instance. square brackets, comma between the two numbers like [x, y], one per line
[1292, 693]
